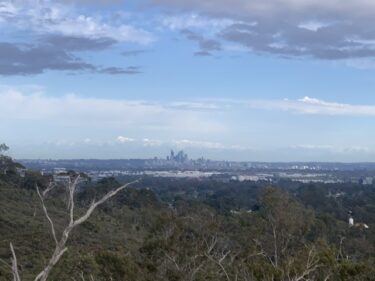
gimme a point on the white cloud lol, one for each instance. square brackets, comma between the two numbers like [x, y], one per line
[313, 146]
[152, 142]
[195, 21]
[305, 105]
[185, 143]
[201, 144]
[30, 115]
[51, 17]
[122, 139]
[180, 144]
[32, 105]
[335, 148]
[195, 105]
[315, 106]
[313, 25]
[87, 140]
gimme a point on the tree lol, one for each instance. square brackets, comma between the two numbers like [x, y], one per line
[4, 161]
[3, 148]
[287, 219]
[60, 241]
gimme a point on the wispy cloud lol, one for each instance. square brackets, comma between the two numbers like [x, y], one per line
[51, 17]
[55, 36]
[195, 21]
[315, 106]
[328, 30]
[134, 53]
[206, 45]
[306, 105]
[73, 110]
[180, 144]
[334, 148]
[122, 139]
[199, 29]
[193, 125]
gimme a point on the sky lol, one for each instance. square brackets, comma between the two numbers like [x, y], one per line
[243, 80]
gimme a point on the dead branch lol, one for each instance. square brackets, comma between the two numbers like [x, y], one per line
[219, 262]
[312, 264]
[16, 276]
[60, 247]
[46, 213]
[51, 186]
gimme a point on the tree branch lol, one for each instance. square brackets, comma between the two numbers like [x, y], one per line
[60, 247]
[51, 186]
[16, 276]
[46, 214]
[94, 204]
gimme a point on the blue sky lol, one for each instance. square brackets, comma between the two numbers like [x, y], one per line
[270, 80]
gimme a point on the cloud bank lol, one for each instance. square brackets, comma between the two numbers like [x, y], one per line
[73, 123]
[56, 35]
[313, 106]
[328, 30]
[87, 113]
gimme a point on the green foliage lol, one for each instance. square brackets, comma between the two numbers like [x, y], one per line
[3, 148]
[116, 267]
[192, 230]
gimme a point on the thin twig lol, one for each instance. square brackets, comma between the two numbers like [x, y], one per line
[47, 215]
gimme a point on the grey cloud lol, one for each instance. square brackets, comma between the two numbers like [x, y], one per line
[206, 46]
[55, 53]
[73, 43]
[27, 60]
[6, 11]
[133, 53]
[202, 54]
[91, 2]
[329, 30]
[330, 42]
[130, 70]
[280, 9]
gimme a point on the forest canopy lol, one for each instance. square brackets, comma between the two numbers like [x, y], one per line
[164, 229]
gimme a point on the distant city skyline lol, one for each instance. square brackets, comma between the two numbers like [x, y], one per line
[241, 80]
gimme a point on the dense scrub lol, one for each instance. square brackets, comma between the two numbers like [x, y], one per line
[193, 230]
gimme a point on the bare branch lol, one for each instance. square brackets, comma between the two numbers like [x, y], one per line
[211, 244]
[173, 260]
[60, 244]
[60, 248]
[263, 252]
[46, 214]
[72, 187]
[224, 256]
[16, 276]
[43, 275]
[219, 262]
[51, 186]
[101, 201]
[312, 264]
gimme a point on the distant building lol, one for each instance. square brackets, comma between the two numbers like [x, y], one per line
[61, 179]
[367, 181]
[57, 171]
[351, 221]
[360, 225]
[21, 172]
[179, 157]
